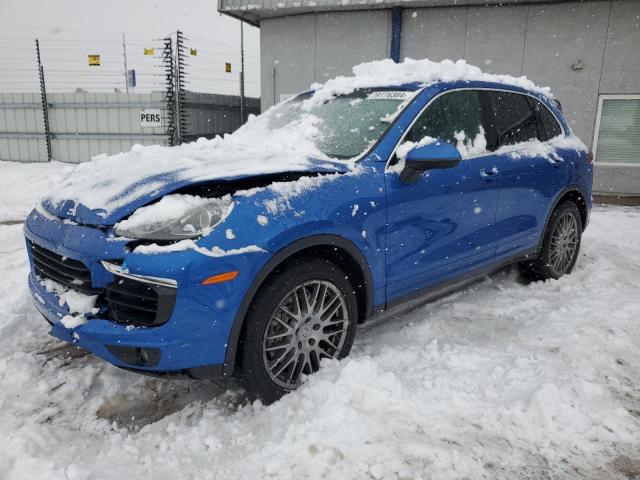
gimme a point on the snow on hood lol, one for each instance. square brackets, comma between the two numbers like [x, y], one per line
[386, 72]
[110, 186]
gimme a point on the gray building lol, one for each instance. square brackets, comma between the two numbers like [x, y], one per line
[588, 52]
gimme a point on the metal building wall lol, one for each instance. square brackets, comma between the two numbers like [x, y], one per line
[296, 52]
[83, 125]
[209, 115]
[22, 128]
[87, 124]
[580, 49]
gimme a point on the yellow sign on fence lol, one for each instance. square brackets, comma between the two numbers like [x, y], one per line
[194, 52]
[149, 51]
[94, 60]
[227, 67]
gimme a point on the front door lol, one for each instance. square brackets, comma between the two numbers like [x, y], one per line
[443, 225]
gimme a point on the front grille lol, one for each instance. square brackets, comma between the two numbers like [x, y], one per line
[66, 271]
[125, 300]
[139, 303]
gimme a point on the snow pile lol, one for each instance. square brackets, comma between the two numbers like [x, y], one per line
[19, 195]
[285, 191]
[112, 181]
[405, 147]
[189, 244]
[79, 304]
[536, 148]
[469, 147]
[386, 72]
[501, 380]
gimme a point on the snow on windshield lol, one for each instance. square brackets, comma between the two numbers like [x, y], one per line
[349, 124]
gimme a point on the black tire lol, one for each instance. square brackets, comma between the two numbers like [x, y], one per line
[566, 217]
[263, 334]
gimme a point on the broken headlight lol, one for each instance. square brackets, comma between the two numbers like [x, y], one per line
[175, 217]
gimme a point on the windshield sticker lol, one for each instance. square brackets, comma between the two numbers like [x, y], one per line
[390, 95]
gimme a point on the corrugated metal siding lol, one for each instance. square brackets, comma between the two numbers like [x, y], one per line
[83, 125]
[209, 115]
[21, 128]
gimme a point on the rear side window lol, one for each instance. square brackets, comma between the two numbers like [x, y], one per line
[451, 117]
[547, 124]
[515, 119]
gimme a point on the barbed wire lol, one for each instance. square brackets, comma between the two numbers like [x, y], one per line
[66, 62]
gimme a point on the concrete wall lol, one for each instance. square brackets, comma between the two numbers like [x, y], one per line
[579, 49]
[298, 51]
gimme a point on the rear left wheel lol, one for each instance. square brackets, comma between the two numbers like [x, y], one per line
[307, 311]
[560, 246]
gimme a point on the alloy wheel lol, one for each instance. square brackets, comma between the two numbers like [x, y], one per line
[564, 244]
[310, 323]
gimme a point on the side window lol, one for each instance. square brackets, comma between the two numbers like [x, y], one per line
[515, 120]
[452, 117]
[547, 124]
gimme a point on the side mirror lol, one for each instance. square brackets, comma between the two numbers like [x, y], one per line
[428, 157]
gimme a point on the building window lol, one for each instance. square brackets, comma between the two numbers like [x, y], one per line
[617, 135]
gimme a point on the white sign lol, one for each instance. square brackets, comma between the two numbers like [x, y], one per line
[390, 95]
[150, 117]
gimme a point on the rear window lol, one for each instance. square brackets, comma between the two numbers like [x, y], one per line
[547, 124]
[515, 119]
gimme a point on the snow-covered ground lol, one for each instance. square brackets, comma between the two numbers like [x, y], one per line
[501, 380]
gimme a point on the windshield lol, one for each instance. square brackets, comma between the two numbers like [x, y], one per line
[348, 125]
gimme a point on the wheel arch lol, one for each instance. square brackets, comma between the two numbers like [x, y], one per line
[573, 194]
[331, 247]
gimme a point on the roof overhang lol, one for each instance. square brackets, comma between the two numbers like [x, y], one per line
[253, 11]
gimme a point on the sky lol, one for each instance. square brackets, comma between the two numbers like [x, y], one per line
[70, 30]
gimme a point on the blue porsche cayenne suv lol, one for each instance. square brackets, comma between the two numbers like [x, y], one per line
[422, 188]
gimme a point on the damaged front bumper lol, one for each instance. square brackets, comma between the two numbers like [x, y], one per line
[174, 324]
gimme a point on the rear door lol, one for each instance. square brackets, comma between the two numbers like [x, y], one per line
[531, 172]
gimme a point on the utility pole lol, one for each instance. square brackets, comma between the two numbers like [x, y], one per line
[241, 73]
[45, 104]
[124, 54]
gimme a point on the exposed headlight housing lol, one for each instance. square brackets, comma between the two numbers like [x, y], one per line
[175, 217]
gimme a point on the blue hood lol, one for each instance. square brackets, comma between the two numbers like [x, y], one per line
[131, 198]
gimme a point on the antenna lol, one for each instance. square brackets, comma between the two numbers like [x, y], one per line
[124, 54]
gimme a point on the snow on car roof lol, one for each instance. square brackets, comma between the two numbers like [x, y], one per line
[385, 73]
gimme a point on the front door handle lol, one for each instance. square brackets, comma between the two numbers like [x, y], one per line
[488, 174]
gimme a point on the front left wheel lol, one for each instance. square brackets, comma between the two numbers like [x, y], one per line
[303, 313]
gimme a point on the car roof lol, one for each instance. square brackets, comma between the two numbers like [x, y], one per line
[441, 86]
